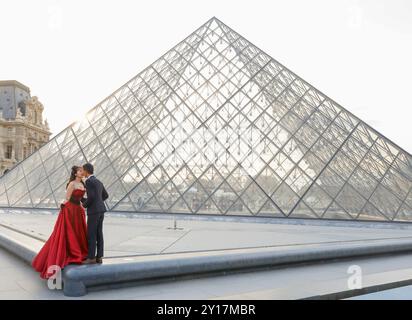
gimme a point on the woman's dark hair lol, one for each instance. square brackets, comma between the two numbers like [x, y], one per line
[73, 175]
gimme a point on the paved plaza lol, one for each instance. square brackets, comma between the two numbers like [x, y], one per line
[19, 281]
[136, 236]
[149, 236]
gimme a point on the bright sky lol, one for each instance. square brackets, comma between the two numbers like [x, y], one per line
[72, 54]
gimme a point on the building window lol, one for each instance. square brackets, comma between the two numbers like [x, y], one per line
[22, 107]
[9, 151]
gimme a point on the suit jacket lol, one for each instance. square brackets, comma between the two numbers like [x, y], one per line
[96, 195]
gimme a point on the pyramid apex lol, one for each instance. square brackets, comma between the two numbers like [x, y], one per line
[214, 18]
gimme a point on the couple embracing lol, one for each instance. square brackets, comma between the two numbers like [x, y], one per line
[72, 240]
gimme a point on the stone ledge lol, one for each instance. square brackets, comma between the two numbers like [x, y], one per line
[79, 278]
[19, 244]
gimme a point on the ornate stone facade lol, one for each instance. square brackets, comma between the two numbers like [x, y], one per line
[22, 128]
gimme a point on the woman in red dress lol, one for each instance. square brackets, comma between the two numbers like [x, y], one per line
[68, 241]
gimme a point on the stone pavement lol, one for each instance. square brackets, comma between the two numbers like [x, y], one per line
[139, 236]
[19, 281]
[403, 293]
[143, 236]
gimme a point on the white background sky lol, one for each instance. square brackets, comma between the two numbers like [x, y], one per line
[72, 54]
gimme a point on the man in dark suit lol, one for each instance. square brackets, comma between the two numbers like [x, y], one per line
[96, 195]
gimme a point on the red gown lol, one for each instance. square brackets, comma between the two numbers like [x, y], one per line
[68, 241]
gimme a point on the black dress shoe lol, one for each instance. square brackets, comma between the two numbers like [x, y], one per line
[89, 261]
[99, 260]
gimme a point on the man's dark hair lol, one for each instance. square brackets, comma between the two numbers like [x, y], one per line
[88, 167]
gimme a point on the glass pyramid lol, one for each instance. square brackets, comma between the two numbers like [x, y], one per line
[217, 126]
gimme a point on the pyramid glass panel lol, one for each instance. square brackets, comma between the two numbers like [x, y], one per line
[217, 126]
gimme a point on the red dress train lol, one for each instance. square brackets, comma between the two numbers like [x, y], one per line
[68, 241]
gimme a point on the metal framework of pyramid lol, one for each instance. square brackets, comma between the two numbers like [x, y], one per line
[216, 126]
